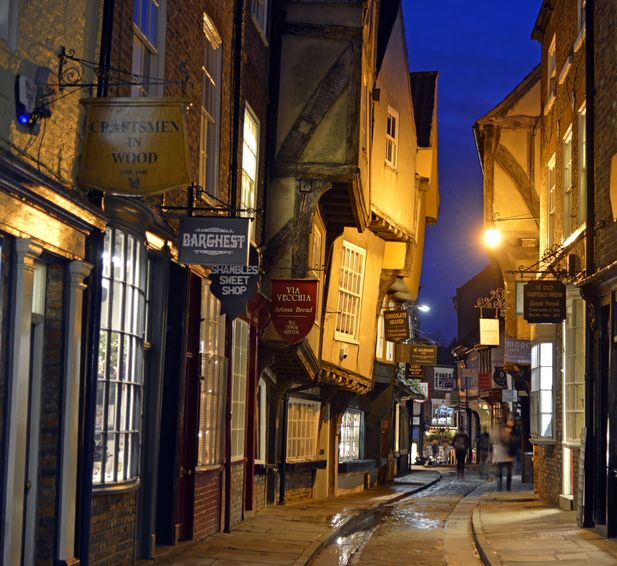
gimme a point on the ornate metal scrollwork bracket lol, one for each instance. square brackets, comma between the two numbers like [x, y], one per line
[496, 301]
[72, 70]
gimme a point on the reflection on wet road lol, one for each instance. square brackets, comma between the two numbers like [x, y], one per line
[409, 532]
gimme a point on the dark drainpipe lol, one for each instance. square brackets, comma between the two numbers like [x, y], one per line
[233, 198]
[93, 323]
[592, 471]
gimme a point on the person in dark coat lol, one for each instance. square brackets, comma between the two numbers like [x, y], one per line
[482, 450]
[461, 447]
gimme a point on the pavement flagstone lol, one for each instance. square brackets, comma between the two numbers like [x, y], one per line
[487, 526]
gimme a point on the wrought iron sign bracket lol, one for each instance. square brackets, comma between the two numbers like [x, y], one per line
[195, 192]
[496, 301]
[547, 265]
[71, 71]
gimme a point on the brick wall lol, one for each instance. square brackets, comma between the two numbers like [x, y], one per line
[259, 501]
[605, 143]
[237, 493]
[207, 503]
[4, 296]
[112, 529]
[298, 486]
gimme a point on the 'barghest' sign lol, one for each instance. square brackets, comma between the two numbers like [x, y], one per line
[210, 240]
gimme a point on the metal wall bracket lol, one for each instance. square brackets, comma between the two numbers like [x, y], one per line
[71, 71]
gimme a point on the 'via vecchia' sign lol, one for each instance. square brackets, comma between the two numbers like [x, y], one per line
[293, 307]
[135, 146]
[209, 240]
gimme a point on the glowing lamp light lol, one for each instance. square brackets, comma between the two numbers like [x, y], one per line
[23, 118]
[491, 238]
[424, 308]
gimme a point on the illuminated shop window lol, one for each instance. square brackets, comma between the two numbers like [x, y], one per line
[120, 368]
[250, 161]
[213, 383]
[238, 396]
[351, 436]
[542, 389]
[302, 422]
[384, 350]
[574, 376]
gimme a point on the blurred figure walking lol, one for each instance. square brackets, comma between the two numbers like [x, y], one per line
[500, 439]
[482, 449]
[461, 447]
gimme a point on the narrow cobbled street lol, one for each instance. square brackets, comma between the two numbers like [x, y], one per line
[412, 531]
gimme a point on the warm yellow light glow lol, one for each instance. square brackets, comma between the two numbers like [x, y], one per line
[424, 308]
[155, 241]
[491, 238]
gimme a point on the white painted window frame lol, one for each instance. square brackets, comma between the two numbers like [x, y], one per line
[351, 284]
[302, 429]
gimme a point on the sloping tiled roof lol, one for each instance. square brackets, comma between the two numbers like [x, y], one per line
[423, 92]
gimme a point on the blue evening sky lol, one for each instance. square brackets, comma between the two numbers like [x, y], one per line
[482, 51]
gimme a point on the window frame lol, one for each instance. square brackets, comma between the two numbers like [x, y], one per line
[574, 367]
[248, 194]
[552, 70]
[542, 358]
[392, 137]
[551, 208]
[381, 344]
[259, 15]
[349, 302]
[210, 127]
[439, 375]
[437, 405]
[351, 436]
[8, 32]
[317, 267]
[302, 440]
[126, 321]
[582, 164]
[147, 46]
[239, 381]
[213, 381]
[567, 183]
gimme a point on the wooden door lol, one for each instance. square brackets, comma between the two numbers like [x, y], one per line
[189, 411]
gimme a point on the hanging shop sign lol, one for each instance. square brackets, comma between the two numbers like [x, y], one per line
[293, 307]
[208, 240]
[416, 353]
[396, 325]
[489, 331]
[235, 285]
[500, 378]
[518, 351]
[415, 372]
[509, 395]
[135, 146]
[544, 302]
[424, 388]
[469, 377]
[484, 381]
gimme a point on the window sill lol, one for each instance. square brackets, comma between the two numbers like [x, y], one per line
[112, 489]
[580, 38]
[263, 469]
[543, 441]
[550, 102]
[208, 468]
[356, 466]
[347, 339]
[260, 31]
[310, 465]
[392, 167]
[572, 444]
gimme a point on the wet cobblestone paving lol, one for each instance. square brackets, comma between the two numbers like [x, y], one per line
[410, 532]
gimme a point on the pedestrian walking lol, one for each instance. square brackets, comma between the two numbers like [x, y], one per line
[461, 447]
[500, 439]
[515, 445]
[435, 449]
[482, 448]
